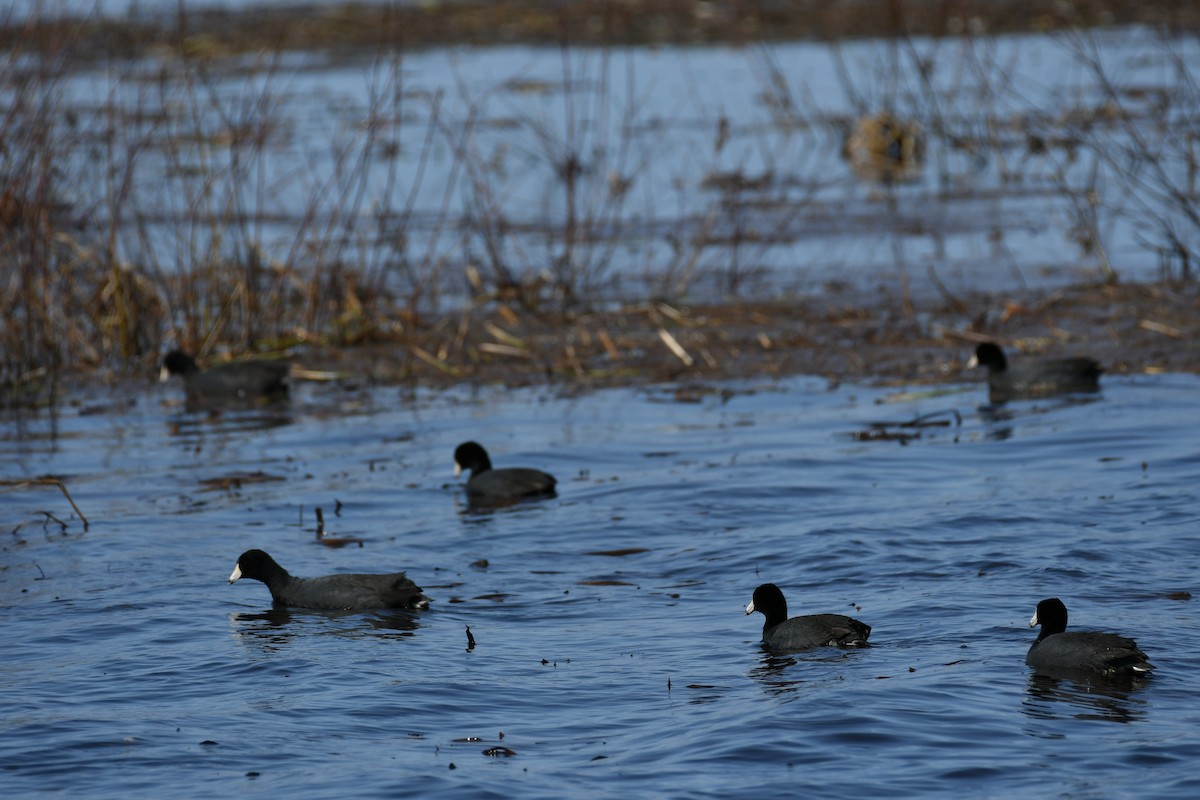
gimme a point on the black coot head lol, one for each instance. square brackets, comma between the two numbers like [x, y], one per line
[178, 362]
[1051, 614]
[471, 457]
[768, 600]
[989, 354]
[256, 565]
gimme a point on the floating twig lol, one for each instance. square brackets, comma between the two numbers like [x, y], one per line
[884, 435]
[50, 482]
[878, 432]
[49, 517]
[237, 480]
[931, 419]
[332, 541]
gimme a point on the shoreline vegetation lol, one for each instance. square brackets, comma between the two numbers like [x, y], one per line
[74, 304]
[1129, 328]
[227, 31]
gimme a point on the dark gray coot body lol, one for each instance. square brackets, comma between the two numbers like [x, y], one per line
[331, 592]
[1090, 651]
[803, 633]
[244, 380]
[1035, 378]
[488, 485]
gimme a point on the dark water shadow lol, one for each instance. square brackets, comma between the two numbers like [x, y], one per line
[1069, 396]
[278, 626]
[474, 511]
[999, 416]
[1080, 694]
[191, 424]
[774, 669]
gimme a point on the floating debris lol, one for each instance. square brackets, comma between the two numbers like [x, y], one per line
[237, 480]
[500, 751]
[324, 538]
[22, 483]
[880, 431]
[625, 551]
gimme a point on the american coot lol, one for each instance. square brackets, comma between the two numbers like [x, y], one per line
[342, 592]
[1056, 650]
[487, 485]
[242, 381]
[1036, 378]
[802, 633]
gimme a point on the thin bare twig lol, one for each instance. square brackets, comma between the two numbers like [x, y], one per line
[48, 482]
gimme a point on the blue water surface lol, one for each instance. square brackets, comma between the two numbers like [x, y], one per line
[612, 656]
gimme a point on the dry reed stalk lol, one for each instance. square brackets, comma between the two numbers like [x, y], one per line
[503, 336]
[675, 347]
[573, 360]
[966, 336]
[503, 350]
[1158, 327]
[609, 346]
[435, 362]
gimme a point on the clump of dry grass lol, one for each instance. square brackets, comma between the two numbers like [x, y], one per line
[109, 277]
[64, 299]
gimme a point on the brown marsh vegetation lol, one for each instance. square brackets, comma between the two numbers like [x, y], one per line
[104, 262]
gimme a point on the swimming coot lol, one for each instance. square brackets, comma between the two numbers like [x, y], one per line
[241, 381]
[1035, 378]
[342, 592]
[487, 485]
[802, 633]
[1091, 651]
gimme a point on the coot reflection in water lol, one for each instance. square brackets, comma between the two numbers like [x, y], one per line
[1085, 695]
[281, 624]
[781, 673]
[191, 425]
[1002, 419]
